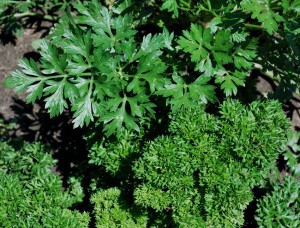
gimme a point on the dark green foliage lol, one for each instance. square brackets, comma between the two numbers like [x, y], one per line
[205, 170]
[14, 15]
[274, 23]
[214, 55]
[281, 208]
[143, 72]
[30, 194]
[95, 64]
[100, 63]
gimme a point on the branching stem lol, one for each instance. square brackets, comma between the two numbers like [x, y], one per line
[254, 27]
[37, 15]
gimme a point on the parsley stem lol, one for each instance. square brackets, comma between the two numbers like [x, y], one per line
[41, 16]
[252, 26]
[187, 4]
[91, 85]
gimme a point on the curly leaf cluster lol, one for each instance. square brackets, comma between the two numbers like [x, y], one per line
[281, 208]
[206, 168]
[30, 193]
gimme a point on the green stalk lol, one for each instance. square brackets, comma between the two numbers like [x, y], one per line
[32, 14]
[254, 27]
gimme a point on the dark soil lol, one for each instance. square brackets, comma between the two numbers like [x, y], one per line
[32, 120]
[9, 55]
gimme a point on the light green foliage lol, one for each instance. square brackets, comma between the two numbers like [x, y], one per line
[205, 170]
[116, 155]
[280, 208]
[292, 152]
[112, 211]
[30, 194]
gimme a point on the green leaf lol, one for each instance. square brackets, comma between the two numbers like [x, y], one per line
[30, 67]
[52, 62]
[114, 120]
[55, 102]
[201, 90]
[75, 42]
[213, 24]
[197, 42]
[123, 26]
[150, 45]
[171, 6]
[208, 51]
[31, 80]
[239, 37]
[245, 54]
[77, 65]
[83, 111]
[140, 106]
[168, 38]
[261, 10]
[222, 47]
[188, 95]
[95, 15]
[151, 73]
[230, 81]
[71, 92]
[35, 92]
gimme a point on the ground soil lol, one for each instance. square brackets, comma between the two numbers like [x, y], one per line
[9, 55]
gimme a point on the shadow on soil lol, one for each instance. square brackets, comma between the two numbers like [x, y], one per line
[34, 124]
[12, 27]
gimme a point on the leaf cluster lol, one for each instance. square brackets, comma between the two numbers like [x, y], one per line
[123, 67]
[99, 63]
[112, 211]
[215, 54]
[280, 208]
[292, 153]
[30, 193]
[205, 170]
[274, 23]
[94, 64]
[15, 15]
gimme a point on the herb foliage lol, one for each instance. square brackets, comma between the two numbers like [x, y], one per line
[30, 193]
[144, 72]
[97, 63]
[15, 15]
